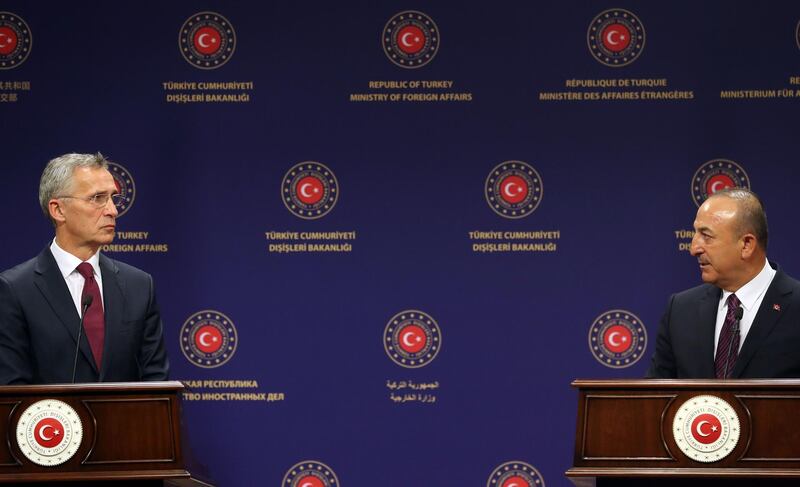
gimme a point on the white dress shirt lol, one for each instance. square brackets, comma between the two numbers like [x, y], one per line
[68, 265]
[750, 295]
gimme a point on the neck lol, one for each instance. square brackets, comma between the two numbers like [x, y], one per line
[83, 252]
[750, 272]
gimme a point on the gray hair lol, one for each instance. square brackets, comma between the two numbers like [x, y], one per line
[57, 175]
[752, 217]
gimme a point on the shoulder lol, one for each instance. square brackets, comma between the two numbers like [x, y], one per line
[698, 292]
[20, 271]
[123, 271]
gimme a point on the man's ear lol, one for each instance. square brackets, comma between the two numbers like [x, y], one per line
[749, 244]
[56, 209]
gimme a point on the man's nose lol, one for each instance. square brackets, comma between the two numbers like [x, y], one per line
[110, 208]
[695, 249]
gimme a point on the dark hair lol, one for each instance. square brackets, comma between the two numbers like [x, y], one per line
[752, 217]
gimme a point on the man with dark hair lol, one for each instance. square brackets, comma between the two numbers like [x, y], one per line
[42, 300]
[744, 322]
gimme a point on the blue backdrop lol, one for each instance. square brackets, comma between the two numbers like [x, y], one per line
[613, 134]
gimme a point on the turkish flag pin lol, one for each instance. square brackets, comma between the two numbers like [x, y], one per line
[776, 307]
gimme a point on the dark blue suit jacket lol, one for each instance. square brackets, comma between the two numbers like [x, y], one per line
[39, 326]
[685, 342]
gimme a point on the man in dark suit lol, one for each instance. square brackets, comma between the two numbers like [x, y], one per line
[42, 300]
[744, 322]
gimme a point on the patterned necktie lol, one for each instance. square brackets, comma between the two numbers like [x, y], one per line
[728, 340]
[93, 320]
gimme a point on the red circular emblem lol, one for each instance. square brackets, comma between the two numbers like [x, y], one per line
[310, 481]
[513, 189]
[718, 183]
[310, 473]
[716, 175]
[16, 40]
[208, 338]
[410, 39]
[616, 37]
[207, 40]
[48, 432]
[8, 40]
[309, 190]
[412, 338]
[515, 474]
[618, 338]
[706, 428]
[516, 481]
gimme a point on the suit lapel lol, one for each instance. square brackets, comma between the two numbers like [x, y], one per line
[767, 317]
[113, 300]
[51, 284]
[707, 320]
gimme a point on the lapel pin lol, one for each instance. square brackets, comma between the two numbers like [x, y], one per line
[776, 307]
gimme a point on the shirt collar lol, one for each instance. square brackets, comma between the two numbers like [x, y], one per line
[750, 292]
[67, 263]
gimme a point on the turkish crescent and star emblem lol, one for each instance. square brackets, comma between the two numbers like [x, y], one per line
[617, 338]
[515, 474]
[410, 39]
[125, 186]
[310, 473]
[49, 432]
[513, 189]
[208, 339]
[616, 37]
[716, 175]
[706, 428]
[310, 190]
[412, 339]
[16, 40]
[207, 40]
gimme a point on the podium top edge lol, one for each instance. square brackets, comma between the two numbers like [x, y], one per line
[686, 383]
[107, 387]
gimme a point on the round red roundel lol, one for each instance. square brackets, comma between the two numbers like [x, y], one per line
[513, 189]
[616, 37]
[310, 481]
[718, 183]
[309, 190]
[516, 481]
[8, 40]
[410, 39]
[618, 338]
[207, 40]
[48, 432]
[208, 338]
[706, 428]
[716, 175]
[412, 338]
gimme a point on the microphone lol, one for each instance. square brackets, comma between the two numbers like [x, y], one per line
[737, 317]
[85, 303]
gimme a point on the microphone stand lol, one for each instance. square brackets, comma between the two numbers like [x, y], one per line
[87, 301]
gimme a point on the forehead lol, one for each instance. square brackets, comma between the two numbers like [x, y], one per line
[716, 213]
[92, 179]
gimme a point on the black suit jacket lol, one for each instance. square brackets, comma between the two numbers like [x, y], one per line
[685, 342]
[39, 326]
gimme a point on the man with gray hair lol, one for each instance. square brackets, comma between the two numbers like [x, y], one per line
[44, 300]
[744, 322]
